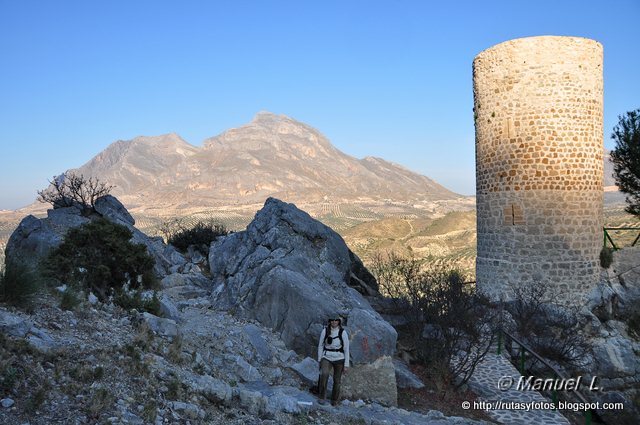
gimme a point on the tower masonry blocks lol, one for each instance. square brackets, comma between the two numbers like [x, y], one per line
[539, 165]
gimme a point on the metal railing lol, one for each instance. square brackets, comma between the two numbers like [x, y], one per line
[524, 348]
[607, 235]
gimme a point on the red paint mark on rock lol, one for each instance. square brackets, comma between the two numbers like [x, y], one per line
[365, 344]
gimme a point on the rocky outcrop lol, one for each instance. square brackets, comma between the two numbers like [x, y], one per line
[616, 348]
[291, 272]
[35, 238]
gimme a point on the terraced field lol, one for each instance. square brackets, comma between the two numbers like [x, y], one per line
[449, 239]
[230, 220]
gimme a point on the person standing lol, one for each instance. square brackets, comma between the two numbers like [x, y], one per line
[333, 352]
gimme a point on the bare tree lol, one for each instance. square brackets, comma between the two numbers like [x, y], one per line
[549, 327]
[450, 327]
[170, 226]
[72, 189]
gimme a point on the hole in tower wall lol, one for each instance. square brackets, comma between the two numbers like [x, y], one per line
[513, 215]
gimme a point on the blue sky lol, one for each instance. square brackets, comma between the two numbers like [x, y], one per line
[383, 78]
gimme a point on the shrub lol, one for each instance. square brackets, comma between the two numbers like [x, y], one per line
[8, 378]
[449, 325]
[174, 352]
[174, 389]
[462, 323]
[130, 300]
[548, 327]
[143, 337]
[69, 299]
[150, 411]
[99, 257]
[606, 257]
[200, 235]
[19, 284]
[101, 400]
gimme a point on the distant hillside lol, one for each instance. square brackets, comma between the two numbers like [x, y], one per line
[450, 238]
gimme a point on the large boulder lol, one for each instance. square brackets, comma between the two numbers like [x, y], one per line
[291, 272]
[35, 237]
[373, 382]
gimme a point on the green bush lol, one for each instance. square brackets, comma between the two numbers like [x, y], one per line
[99, 257]
[69, 299]
[19, 284]
[200, 235]
[606, 257]
[131, 300]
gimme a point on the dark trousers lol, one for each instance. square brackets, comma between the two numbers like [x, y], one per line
[325, 369]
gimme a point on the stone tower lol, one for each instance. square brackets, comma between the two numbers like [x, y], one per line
[539, 164]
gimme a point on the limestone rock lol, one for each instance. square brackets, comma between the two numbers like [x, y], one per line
[169, 309]
[260, 398]
[614, 357]
[14, 325]
[184, 279]
[374, 382]
[245, 371]
[253, 401]
[290, 272]
[370, 336]
[34, 238]
[190, 410]
[213, 389]
[404, 377]
[601, 301]
[41, 340]
[7, 402]
[308, 369]
[258, 342]
[109, 207]
[162, 327]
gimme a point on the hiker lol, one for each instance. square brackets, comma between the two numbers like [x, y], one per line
[333, 351]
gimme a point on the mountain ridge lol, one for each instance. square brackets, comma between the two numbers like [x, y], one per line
[272, 155]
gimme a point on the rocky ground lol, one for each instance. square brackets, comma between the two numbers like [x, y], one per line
[102, 364]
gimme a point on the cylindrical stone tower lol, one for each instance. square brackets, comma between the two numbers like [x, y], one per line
[539, 164]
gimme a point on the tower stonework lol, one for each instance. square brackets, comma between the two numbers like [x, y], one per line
[539, 165]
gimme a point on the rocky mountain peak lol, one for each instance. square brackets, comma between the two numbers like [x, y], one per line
[266, 117]
[266, 129]
[272, 155]
[163, 139]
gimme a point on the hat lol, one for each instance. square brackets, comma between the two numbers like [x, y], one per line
[335, 317]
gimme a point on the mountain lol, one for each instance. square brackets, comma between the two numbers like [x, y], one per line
[273, 155]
